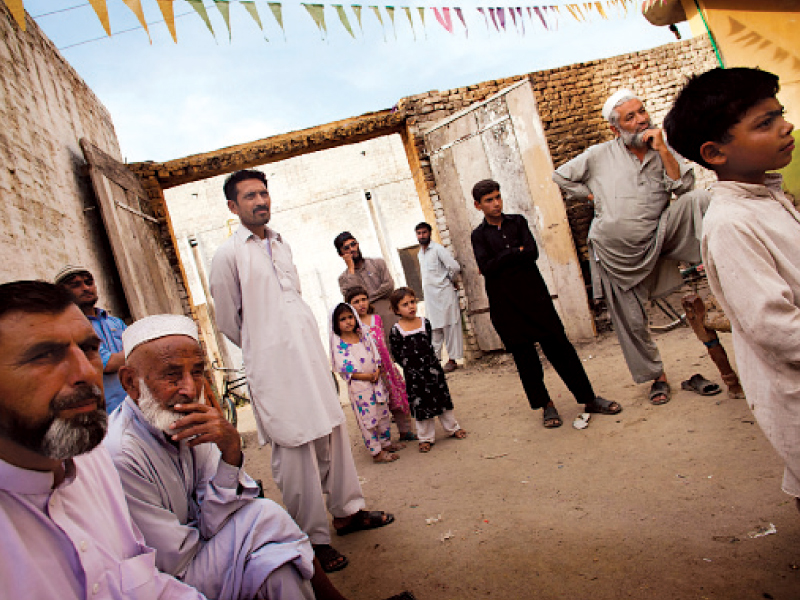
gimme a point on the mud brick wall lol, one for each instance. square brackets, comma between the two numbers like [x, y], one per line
[569, 100]
[49, 210]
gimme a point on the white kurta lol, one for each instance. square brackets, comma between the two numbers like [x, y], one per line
[259, 308]
[751, 249]
[438, 269]
[201, 514]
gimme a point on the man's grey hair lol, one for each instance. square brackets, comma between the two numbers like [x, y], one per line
[613, 116]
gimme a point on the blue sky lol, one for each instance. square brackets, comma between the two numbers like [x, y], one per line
[170, 100]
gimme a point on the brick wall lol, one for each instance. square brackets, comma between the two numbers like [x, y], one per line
[49, 211]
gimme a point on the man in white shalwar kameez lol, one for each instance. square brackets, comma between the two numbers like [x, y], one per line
[256, 291]
[638, 235]
[191, 498]
[438, 269]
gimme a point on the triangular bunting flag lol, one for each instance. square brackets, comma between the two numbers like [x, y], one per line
[169, 17]
[521, 18]
[317, 12]
[539, 14]
[17, 10]
[460, 14]
[599, 8]
[573, 8]
[554, 10]
[250, 6]
[357, 11]
[201, 10]
[343, 18]
[277, 12]
[136, 7]
[377, 12]
[101, 10]
[501, 16]
[444, 18]
[225, 10]
[421, 10]
[514, 18]
[407, 10]
[390, 12]
[493, 14]
[485, 18]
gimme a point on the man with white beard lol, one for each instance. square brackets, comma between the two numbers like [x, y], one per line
[181, 466]
[638, 234]
[66, 529]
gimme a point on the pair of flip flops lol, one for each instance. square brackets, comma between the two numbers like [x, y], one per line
[659, 391]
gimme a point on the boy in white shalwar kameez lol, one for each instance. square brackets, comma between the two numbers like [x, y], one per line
[731, 121]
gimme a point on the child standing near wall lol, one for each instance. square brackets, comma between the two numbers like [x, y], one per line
[358, 298]
[428, 394]
[355, 358]
[731, 121]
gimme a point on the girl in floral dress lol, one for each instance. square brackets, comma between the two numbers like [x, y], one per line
[358, 298]
[356, 359]
[428, 394]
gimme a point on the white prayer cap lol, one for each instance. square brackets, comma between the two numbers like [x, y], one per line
[69, 271]
[155, 327]
[615, 99]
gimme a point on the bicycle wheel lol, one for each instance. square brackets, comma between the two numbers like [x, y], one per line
[229, 410]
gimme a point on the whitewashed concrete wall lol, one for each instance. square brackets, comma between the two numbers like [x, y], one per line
[314, 198]
[48, 208]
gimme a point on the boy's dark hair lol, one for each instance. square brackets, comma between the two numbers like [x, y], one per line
[33, 297]
[354, 291]
[423, 225]
[337, 312]
[712, 103]
[340, 239]
[229, 187]
[483, 187]
[396, 297]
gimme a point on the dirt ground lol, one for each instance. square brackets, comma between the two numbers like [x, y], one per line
[656, 502]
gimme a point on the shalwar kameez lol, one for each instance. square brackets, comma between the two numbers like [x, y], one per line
[751, 249]
[256, 290]
[203, 516]
[636, 239]
[438, 269]
[373, 275]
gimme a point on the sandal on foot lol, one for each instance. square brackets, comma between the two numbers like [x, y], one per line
[603, 406]
[425, 447]
[395, 447]
[330, 558]
[550, 418]
[363, 520]
[700, 385]
[408, 436]
[459, 434]
[659, 388]
[384, 457]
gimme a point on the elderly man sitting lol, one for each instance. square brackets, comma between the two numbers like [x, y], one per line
[180, 463]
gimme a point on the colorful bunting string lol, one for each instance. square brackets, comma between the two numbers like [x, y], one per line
[546, 15]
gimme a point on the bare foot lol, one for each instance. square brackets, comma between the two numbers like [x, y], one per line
[460, 434]
[425, 447]
[384, 457]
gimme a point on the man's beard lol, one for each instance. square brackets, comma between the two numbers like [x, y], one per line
[634, 140]
[358, 257]
[58, 438]
[154, 413]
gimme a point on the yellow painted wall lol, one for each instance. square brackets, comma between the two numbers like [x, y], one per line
[765, 34]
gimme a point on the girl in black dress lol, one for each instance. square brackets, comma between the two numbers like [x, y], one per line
[428, 395]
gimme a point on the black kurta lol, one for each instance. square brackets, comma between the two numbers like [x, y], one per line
[519, 302]
[428, 394]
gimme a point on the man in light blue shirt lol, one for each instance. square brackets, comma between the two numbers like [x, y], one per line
[79, 282]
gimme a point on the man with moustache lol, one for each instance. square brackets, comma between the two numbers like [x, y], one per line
[182, 469]
[638, 235]
[66, 529]
[370, 273]
[256, 290]
[80, 283]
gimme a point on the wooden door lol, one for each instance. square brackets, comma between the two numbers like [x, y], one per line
[147, 277]
[503, 139]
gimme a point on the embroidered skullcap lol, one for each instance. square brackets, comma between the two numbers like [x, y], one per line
[615, 99]
[68, 271]
[155, 327]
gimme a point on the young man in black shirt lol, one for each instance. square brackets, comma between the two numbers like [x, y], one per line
[521, 309]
